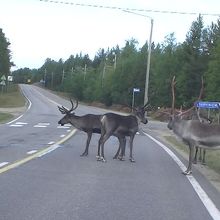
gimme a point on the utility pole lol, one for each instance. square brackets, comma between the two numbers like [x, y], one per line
[148, 57]
[148, 64]
[63, 76]
[85, 69]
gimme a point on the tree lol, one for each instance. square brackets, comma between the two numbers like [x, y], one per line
[5, 56]
[212, 78]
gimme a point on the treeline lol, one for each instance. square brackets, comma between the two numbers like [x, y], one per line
[111, 76]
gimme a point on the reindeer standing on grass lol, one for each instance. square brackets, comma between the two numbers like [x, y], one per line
[193, 132]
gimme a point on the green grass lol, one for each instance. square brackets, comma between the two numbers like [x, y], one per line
[4, 117]
[212, 156]
[11, 98]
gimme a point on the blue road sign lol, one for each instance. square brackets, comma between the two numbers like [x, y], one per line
[209, 105]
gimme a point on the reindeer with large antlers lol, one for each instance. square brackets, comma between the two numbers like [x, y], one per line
[88, 123]
[193, 132]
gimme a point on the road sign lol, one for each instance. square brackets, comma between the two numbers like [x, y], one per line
[208, 105]
[3, 78]
[2, 83]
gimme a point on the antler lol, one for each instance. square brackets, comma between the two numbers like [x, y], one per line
[173, 95]
[200, 96]
[64, 110]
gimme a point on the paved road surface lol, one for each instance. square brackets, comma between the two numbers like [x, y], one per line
[56, 183]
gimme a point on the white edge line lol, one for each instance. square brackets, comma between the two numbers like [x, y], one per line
[29, 106]
[209, 205]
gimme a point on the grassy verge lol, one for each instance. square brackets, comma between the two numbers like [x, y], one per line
[212, 156]
[10, 99]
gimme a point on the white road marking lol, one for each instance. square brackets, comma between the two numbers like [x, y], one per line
[44, 123]
[62, 135]
[40, 126]
[209, 205]
[52, 148]
[52, 142]
[29, 106]
[63, 127]
[31, 152]
[21, 123]
[15, 125]
[3, 164]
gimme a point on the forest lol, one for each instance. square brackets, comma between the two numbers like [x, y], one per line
[113, 73]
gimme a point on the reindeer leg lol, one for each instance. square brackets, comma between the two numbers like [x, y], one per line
[200, 154]
[99, 145]
[195, 158]
[203, 159]
[122, 149]
[85, 153]
[189, 168]
[131, 149]
[122, 142]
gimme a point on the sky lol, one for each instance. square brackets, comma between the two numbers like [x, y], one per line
[38, 30]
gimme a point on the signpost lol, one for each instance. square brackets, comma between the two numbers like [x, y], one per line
[134, 91]
[2, 82]
[208, 105]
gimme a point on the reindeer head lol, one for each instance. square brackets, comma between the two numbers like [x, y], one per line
[67, 118]
[139, 112]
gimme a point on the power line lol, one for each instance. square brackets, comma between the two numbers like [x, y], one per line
[129, 9]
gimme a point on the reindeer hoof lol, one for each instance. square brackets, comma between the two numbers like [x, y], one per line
[102, 159]
[121, 158]
[132, 160]
[98, 158]
[187, 172]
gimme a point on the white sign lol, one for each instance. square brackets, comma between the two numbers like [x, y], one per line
[136, 90]
[2, 83]
[10, 78]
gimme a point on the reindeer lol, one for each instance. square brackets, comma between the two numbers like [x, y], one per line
[88, 123]
[120, 126]
[193, 132]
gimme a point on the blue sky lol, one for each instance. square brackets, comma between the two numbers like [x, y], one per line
[38, 30]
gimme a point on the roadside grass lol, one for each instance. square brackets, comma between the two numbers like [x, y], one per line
[10, 99]
[212, 156]
[4, 117]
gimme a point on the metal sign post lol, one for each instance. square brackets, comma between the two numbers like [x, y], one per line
[134, 91]
[208, 105]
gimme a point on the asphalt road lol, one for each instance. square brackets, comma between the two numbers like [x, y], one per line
[42, 175]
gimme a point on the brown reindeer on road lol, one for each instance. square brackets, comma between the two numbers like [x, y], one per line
[88, 123]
